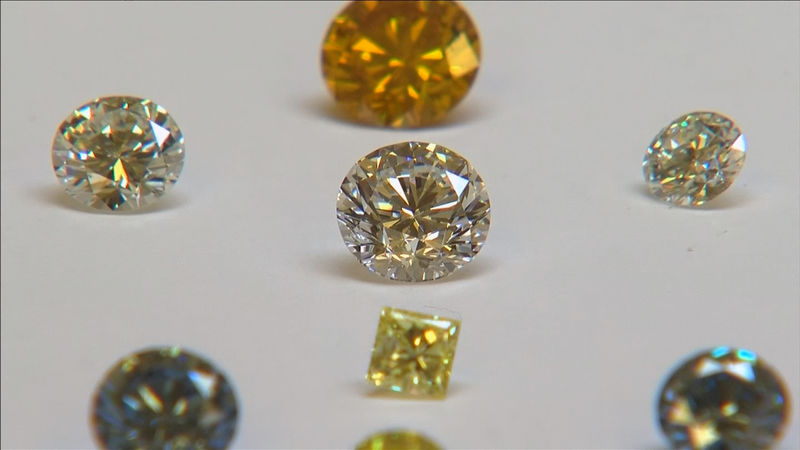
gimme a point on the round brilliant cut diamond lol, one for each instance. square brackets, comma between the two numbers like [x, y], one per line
[694, 159]
[725, 398]
[118, 153]
[413, 211]
[164, 398]
[400, 63]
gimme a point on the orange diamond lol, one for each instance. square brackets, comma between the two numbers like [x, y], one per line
[400, 63]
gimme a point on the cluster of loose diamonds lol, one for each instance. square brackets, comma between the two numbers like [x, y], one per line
[413, 211]
[400, 63]
[694, 159]
[118, 153]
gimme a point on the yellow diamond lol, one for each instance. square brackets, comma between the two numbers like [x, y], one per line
[400, 63]
[413, 353]
[397, 440]
[694, 159]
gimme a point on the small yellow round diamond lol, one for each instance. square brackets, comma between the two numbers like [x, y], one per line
[400, 63]
[694, 159]
[397, 440]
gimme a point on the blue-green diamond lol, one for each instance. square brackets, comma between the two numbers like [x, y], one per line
[164, 398]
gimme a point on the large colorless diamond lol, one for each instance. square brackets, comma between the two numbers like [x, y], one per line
[413, 211]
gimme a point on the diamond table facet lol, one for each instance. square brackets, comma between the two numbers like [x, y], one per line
[725, 398]
[400, 63]
[413, 353]
[118, 153]
[164, 398]
[413, 211]
[694, 159]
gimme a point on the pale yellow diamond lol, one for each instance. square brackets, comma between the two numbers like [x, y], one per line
[413, 211]
[694, 159]
[413, 353]
[118, 153]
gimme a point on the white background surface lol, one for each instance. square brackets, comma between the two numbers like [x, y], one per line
[587, 291]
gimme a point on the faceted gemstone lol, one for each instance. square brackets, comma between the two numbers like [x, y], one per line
[694, 159]
[723, 399]
[164, 398]
[397, 440]
[118, 153]
[400, 63]
[413, 211]
[413, 353]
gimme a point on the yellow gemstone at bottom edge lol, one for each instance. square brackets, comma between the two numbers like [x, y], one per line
[397, 440]
[400, 63]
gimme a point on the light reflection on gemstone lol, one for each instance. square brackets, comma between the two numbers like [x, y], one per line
[723, 399]
[694, 159]
[164, 398]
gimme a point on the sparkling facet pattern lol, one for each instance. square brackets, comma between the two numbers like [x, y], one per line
[164, 399]
[400, 63]
[694, 159]
[413, 211]
[723, 399]
[397, 440]
[413, 353]
[118, 153]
